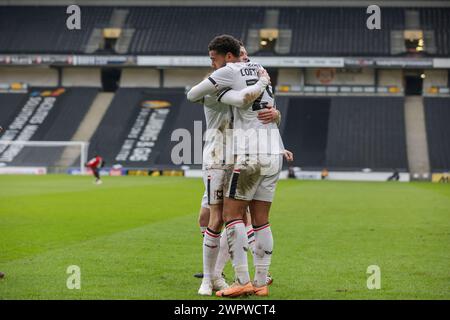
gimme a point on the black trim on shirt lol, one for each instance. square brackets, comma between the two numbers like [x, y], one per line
[222, 93]
[212, 81]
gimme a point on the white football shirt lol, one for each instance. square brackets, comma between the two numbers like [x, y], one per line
[250, 135]
[218, 121]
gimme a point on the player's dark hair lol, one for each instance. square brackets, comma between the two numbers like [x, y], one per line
[225, 43]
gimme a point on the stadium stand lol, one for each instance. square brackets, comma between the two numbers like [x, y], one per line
[283, 106]
[124, 114]
[169, 30]
[32, 29]
[326, 130]
[67, 115]
[325, 31]
[345, 133]
[56, 117]
[305, 131]
[9, 105]
[367, 132]
[137, 125]
[184, 120]
[438, 20]
[437, 117]
[181, 30]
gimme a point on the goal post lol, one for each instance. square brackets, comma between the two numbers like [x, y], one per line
[49, 154]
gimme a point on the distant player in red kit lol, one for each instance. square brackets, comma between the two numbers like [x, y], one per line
[95, 164]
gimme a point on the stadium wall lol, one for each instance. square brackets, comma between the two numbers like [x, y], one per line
[390, 77]
[291, 77]
[39, 77]
[81, 77]
[182, 77]
[435, 78]
[320, 76]
[142, 77]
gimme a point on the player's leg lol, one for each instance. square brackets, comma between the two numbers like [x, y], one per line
[224, 255]
[203, 215]
[211, 240]
[263, 242]
[249, 230]
[242, 184]
[211, 246]
[259, 209]
[96, 175]
[251, 241]
[237, 240]
[222, 258]
[203, 219]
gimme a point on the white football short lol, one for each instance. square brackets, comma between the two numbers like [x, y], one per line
[256, 181]
[214, 181]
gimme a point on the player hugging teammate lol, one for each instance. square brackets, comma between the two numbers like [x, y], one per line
[242, 160]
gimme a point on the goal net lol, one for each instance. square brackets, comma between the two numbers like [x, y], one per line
[54, 156]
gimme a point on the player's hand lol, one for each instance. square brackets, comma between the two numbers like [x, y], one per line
[262, 73]
[268, 115]
[288, 155]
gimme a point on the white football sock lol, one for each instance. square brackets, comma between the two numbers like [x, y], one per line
[251, 239]
[238, 247]
[202, 230]
[211, 243]
[223, 256]
[263, 253]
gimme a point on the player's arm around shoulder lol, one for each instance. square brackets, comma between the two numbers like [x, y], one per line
[199, 91]
[217, 81]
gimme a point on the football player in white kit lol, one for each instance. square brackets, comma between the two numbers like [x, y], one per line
[218, 117]
[257, 164]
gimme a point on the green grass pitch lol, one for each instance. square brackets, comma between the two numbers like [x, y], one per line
[138, 238]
